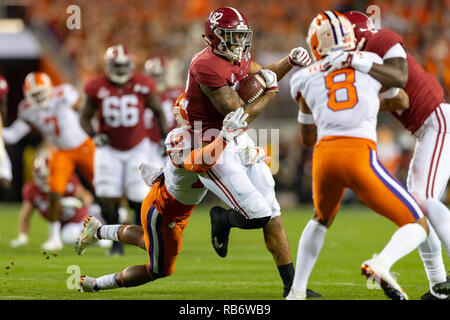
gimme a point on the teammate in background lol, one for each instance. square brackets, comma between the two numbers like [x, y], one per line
[428, 119]
[75, 205]
[118, 99]
[339, 110]
[176, 191]
[156, 69]
[5, 163]
[246, 187]
[51, 111]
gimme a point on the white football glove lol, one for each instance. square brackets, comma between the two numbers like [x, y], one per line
[149, 173]
[340, 59]
[22, 240]
[271, 80]
[252, 154]
[234, 125]
[299, 57]
[71, 203]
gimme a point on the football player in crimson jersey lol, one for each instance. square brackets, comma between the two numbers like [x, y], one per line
[246, 187]
[428, 119]
[118, 99]
[155, 68]
[75, 205]
[52, 111]
[5, 163]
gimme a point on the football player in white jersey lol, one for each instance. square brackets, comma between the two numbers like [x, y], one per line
[176, 191]
[50, 109]
[339, 110]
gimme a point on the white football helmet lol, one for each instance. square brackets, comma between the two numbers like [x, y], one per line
[328, 32]
[37, 89]
[41, 171]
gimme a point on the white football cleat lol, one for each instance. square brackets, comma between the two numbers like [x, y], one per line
[296, 294]
[88, 235]
[52, 244]
[374, 270]
[87, 284]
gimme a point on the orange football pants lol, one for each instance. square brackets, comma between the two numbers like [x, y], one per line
[345, 162]
[163, 220]
[63, 163]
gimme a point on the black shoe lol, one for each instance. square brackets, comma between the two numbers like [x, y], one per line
[220, 230]
[443, 287]
[309, 293]
[312, 294]
[430, 296]
[116, 249]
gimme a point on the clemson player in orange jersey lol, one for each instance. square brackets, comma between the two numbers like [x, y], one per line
[50, 109]
[176, 191]
[339, 110]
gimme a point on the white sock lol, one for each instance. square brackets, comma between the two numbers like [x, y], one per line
[54, 230]
[403, 242]
[110, 231]
[431, 253]
[309, 246]
[439, 217]
[107, 282]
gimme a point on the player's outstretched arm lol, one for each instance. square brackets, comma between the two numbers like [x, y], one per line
[394, 99]
[86, 113]
[154, 103]
[392, 73]
[308, 129]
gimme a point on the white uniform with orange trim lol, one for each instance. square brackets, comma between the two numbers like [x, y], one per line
[347, 113]
[345, 105]
[58, 123]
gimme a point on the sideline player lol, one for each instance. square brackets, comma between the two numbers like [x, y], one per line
[118, 99]
[75, 206]
[428, 119]
[165, 212]
[339, 110]
[50, 109]
[247, 188]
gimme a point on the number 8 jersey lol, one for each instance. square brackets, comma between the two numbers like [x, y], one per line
[343, 103]
[121, 108]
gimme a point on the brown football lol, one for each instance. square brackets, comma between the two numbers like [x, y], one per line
[251, 87]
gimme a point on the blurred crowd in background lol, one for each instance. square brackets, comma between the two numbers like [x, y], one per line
[172, 30]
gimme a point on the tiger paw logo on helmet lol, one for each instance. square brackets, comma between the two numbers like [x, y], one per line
[328, 32]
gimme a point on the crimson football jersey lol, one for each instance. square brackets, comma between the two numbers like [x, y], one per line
[4, 88]
[121, 108]
[424, 90]
[41, 201]
[210, 70]
[167, 98]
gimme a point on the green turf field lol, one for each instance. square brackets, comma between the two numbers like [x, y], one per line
[248, 272]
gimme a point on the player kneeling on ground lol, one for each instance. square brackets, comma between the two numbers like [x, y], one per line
[75, 205]
[176, 191]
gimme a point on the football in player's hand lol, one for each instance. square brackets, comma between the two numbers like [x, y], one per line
[251, 87]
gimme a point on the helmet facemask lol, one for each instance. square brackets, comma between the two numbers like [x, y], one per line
[119, 72]
[233, 42]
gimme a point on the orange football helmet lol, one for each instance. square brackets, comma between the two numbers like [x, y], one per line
[37, 89]
[179, 112]
[328, 32]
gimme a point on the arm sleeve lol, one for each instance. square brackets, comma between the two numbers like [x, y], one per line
[16, 131]
[396, 51]
[201, 160]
